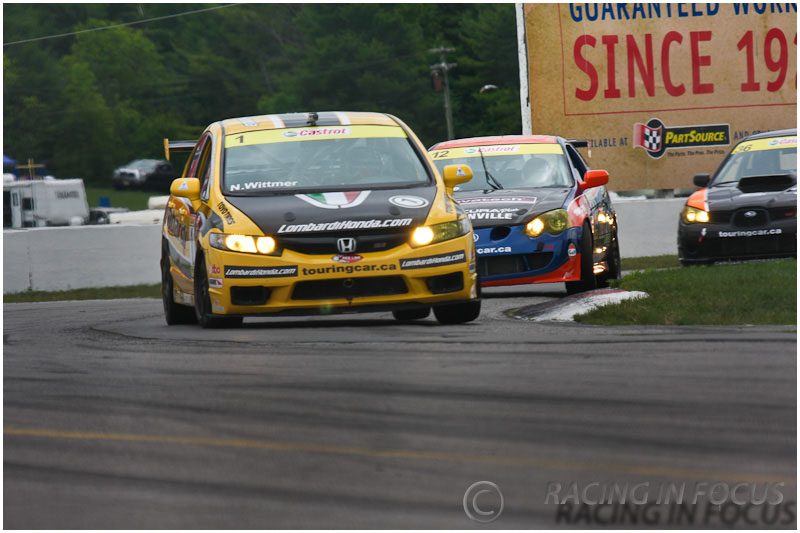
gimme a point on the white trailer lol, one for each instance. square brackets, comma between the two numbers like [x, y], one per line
[37, 203]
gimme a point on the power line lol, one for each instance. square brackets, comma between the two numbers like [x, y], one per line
[120, 25]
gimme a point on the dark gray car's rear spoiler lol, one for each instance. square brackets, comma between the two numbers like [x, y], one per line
[177, 146]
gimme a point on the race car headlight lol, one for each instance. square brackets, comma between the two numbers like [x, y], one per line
[692, 215]
[242, 243]
[553, 222]
[440, 232]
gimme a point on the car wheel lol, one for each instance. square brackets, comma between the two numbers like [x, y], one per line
[614, 264]
[202, 301]
[588, 280]
[406, 315]
[457, 313]
[174, 313]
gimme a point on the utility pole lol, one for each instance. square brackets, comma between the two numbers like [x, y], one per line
[442, 67]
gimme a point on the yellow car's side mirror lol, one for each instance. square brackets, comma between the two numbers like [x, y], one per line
[186, 188]
[456, 174]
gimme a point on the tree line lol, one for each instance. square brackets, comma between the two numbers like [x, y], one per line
[86, 99]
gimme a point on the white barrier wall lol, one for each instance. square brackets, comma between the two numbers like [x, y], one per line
[52, 259]
[648, 227]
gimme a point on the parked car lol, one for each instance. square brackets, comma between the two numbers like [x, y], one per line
[748, 209]
[145, 174]
[539, 213]
[315, 213]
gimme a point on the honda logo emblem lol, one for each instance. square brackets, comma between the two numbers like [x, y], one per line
[749, 214]
[346, 245]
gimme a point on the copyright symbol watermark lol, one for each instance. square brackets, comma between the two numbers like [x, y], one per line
[483, 502]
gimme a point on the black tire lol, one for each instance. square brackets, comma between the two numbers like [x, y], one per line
[614, 263]
[202, 301]
[174, 313]
[588, 280]
[406, 315]
[457, 313]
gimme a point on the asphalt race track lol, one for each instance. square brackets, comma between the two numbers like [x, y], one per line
[114, 420]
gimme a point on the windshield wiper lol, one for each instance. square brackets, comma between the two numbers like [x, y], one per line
[491, 180]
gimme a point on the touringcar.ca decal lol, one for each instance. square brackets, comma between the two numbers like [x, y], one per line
[345, 225]
[493, 250]
[244, 272]
[347, 269]
[751, 233]
[335, 200]
[434, 260]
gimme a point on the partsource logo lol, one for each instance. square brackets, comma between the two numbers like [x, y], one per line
[656, 138]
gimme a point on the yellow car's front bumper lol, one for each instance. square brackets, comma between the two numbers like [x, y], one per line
[295, 283]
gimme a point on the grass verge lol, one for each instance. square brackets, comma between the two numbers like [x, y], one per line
[104, 293]
[729, 294]
[655, 261]
[133, 200]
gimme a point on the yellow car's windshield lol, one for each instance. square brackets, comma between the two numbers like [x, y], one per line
[320, 158]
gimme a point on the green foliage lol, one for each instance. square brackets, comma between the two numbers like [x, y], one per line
[656, 261]
[105, 293]
[132, 199]
[765, 293]
[89, 102]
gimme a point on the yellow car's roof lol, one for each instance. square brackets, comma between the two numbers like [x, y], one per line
[299, 120]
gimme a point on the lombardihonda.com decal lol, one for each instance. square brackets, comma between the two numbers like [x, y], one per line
[345, 225]
[433, 260]
[656, 138]
[260, 272]
[335, 200]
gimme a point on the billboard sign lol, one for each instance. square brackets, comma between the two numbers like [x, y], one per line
[661, 91]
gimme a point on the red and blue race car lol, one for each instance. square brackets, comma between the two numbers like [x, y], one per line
[539, 213]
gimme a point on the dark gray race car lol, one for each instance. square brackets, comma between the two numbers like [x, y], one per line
[748, 209]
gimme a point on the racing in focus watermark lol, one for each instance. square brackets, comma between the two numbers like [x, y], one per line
[658, 504]
[742, 504]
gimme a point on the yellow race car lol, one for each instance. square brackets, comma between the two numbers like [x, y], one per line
[315, 213]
